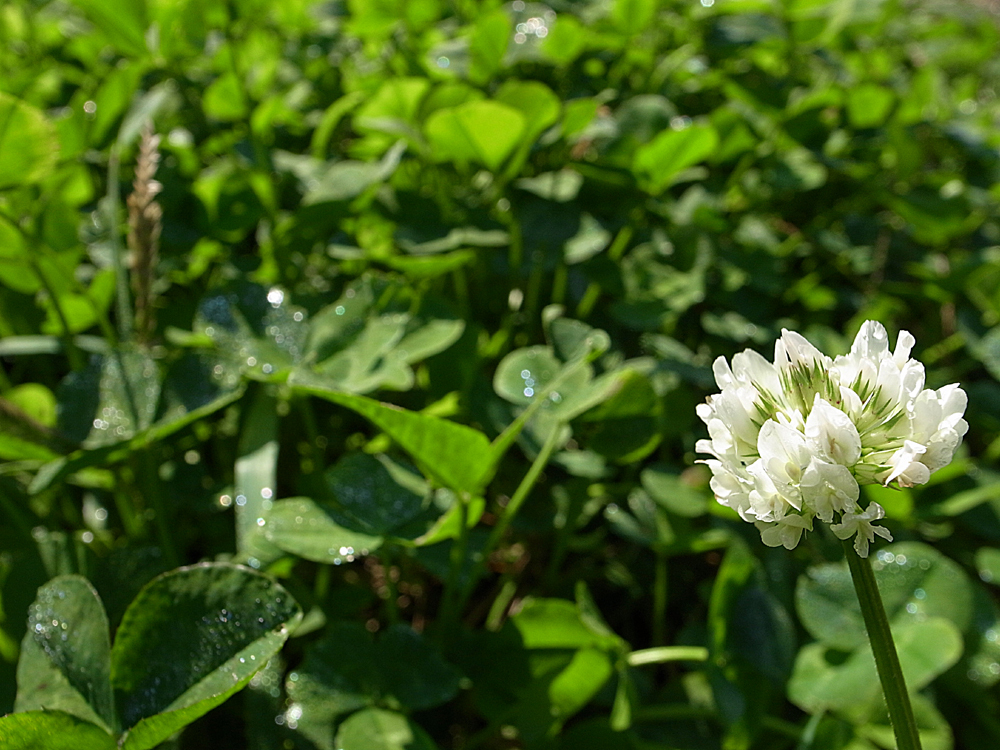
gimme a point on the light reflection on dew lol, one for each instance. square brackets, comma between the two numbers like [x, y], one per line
[275, 296]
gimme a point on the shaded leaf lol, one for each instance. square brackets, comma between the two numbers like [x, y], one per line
[457, 456]
[52, 730]
[189, 640]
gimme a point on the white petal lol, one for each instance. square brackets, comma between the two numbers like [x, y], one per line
[861, 524]
[906, 467]
[828, 488]
[723, 375]
[750, 367]
[832, 433]
[782, 443]
[784, 533]
[904, 345]
[850, 402]
[796, 349]
[872, 342]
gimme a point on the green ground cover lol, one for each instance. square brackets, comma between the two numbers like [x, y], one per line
[350, 356]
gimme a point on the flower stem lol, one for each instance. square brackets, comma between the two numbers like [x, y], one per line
[886, 661]
[508, 513]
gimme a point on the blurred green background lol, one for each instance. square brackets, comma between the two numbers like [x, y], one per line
[390, 197]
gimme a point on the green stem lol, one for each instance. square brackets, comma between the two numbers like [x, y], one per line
[131, 522]
[456, 561]
[153, 491]
[659, 598]
[76, 359]
[886, 661]
[515, 503]
[664, 654]
[321, 586]
[494, 620]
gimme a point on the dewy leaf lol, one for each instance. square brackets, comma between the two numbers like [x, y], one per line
[821, 681]
[348, 670]
[481, 131]
[41, 685]
[51, 730]
[189, 640]
[915, 580]
[306, 528]
[27, 141]
[457, 456]
[112, 400]
[378, 729]
[378, 494]
[258, 328]
[67, 620]
[568, 389]
[659, 162]
[366, 340]
[255, 477]
[337, 676]
[195, 386]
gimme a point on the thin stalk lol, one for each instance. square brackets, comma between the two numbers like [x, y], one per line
[391, 605]
[456, 561]
[76, 359]
[494, 620]
[510, 511]
[620, 242]
[515, 253]
[559, 280]
[590, 297]
[533, 291]
[321, 586]
[897, 698]
[153, 491]
[559, 549]
[659, 598]
[461, 287]
[131, 522]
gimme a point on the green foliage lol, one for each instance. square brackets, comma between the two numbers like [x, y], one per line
[435, 288]
[192, 638]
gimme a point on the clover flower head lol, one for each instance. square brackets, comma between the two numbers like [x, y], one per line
[793, 440]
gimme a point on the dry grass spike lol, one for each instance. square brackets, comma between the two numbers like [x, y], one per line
[144, 227]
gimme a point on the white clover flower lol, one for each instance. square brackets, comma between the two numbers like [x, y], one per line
[793, 440]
